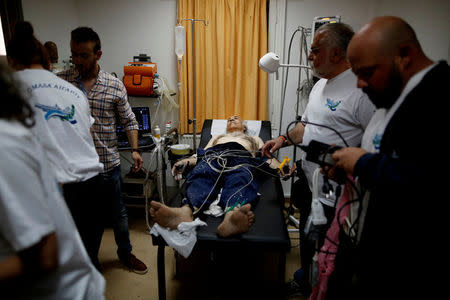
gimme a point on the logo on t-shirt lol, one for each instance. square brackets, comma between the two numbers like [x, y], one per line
[332, 105]
[66, 114]
[377, 141]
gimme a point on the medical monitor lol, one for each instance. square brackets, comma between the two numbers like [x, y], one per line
[319, 21]
[142, 117]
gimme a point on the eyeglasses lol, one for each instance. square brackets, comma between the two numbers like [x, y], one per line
[314, 50]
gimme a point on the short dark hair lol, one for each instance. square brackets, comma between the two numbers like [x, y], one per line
[24, 48]
[52, 51]
[14, 105]
[338, 34]
[86, 34]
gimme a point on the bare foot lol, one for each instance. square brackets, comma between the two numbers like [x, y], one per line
[170, 216]
[236, 221]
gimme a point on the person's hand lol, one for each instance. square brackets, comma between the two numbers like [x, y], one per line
[178, 168]
[346, 159]
[292, 171]
[138, 162]
[287, 172]
[271, 146]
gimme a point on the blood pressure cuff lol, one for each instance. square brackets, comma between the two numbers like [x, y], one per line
[138, 78]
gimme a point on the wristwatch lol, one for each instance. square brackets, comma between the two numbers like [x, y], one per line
[284, 138]
[136, 150]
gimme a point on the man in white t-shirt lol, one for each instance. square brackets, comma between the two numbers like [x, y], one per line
[336, 103]
[41, 253]
[63, 123]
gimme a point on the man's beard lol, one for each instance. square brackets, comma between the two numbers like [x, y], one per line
[387, 97]
[313, 69]
[87, 71]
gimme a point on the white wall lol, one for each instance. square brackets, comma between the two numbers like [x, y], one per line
[430, 19]
[127, 28]
[52, 20]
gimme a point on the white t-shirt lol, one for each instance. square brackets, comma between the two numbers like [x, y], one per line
[339, 104]
[63, 122]
[375, 130]
[31, 207]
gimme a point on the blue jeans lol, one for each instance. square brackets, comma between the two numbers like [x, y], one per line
[239, 186]
[116, 210]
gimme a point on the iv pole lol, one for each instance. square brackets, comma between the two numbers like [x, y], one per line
[303, 45]
[194, 120]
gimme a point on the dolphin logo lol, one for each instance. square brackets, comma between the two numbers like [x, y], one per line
[66, 114]
[332, 105]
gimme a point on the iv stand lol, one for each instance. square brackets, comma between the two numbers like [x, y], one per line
[194, 120]
[303, 45]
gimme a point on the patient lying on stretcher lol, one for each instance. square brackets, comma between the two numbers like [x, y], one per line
[229, 164]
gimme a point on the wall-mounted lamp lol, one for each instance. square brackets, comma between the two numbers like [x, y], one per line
[270, 63]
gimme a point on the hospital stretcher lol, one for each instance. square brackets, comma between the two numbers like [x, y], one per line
[268, 233]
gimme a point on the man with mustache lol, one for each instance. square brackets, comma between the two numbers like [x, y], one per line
[403, 211]
[336, 102]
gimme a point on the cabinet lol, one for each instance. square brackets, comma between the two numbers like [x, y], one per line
[134, 189]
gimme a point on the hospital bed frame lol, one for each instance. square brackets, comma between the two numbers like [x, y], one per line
[268, 233]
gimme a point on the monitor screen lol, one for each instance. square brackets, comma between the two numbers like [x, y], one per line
[142, 117]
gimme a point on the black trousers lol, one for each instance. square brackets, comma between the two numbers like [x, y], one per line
[85, 205]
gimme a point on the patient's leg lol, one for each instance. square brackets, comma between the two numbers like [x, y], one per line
[236, 221]
[170, 216]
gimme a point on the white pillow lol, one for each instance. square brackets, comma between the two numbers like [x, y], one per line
[219, 126]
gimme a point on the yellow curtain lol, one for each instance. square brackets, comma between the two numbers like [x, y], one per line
[228, 80]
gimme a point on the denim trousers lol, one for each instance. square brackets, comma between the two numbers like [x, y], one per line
[116, 211]
[239, 185]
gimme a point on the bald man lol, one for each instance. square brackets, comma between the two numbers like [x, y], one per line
[404, 218]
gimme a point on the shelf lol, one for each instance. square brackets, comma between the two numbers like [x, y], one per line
[135, 188]
[134, 180]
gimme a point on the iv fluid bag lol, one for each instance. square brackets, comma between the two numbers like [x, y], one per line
[179, 41]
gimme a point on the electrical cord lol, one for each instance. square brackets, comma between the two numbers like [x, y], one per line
[350, 229]
[199, 209]
[287, 74]
[221, 161]
[352, 226]
[287, 68]
[298, 120]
